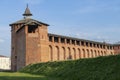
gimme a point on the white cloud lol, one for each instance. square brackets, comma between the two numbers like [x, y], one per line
[92, 36]
[82, 35]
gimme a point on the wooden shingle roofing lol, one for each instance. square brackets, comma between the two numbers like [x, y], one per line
[27, 21]
[78, 39]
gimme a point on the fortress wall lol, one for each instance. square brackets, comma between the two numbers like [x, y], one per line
[61, 50]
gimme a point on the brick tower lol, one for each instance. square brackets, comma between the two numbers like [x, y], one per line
[29, 41]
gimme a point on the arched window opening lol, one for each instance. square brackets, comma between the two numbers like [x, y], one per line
[95, 53]
[69, 54]
[91, 53]
[63, 53]
[74, 53]
[79, 53]
[51, 53]
[56, 55]
[88, 54]
[83, 53]
[101, 53]
[98, 53]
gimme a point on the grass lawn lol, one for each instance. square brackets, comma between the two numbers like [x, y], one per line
[22, 76]
[100, 68]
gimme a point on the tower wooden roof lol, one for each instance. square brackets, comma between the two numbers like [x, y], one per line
[78, 39]
[27, 12]
[27, 20]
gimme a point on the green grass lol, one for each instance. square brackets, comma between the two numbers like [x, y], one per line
[101, 68]
[22, 76]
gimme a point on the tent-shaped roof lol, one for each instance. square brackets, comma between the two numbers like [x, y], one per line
[27, 21]
[27, 12]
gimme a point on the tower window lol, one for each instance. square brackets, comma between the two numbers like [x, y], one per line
[78, 42]
[94, 45]
[62, 40]
[110, 47]
[32, 28]
[68, 41]
[15, 57]
[91, 45]
[55, 39]
[82, 43]
[73, 42]
[97, 45]
[50, 38]
[101, 46]
[87, 44]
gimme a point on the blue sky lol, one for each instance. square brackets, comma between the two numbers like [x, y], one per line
[97, 20]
